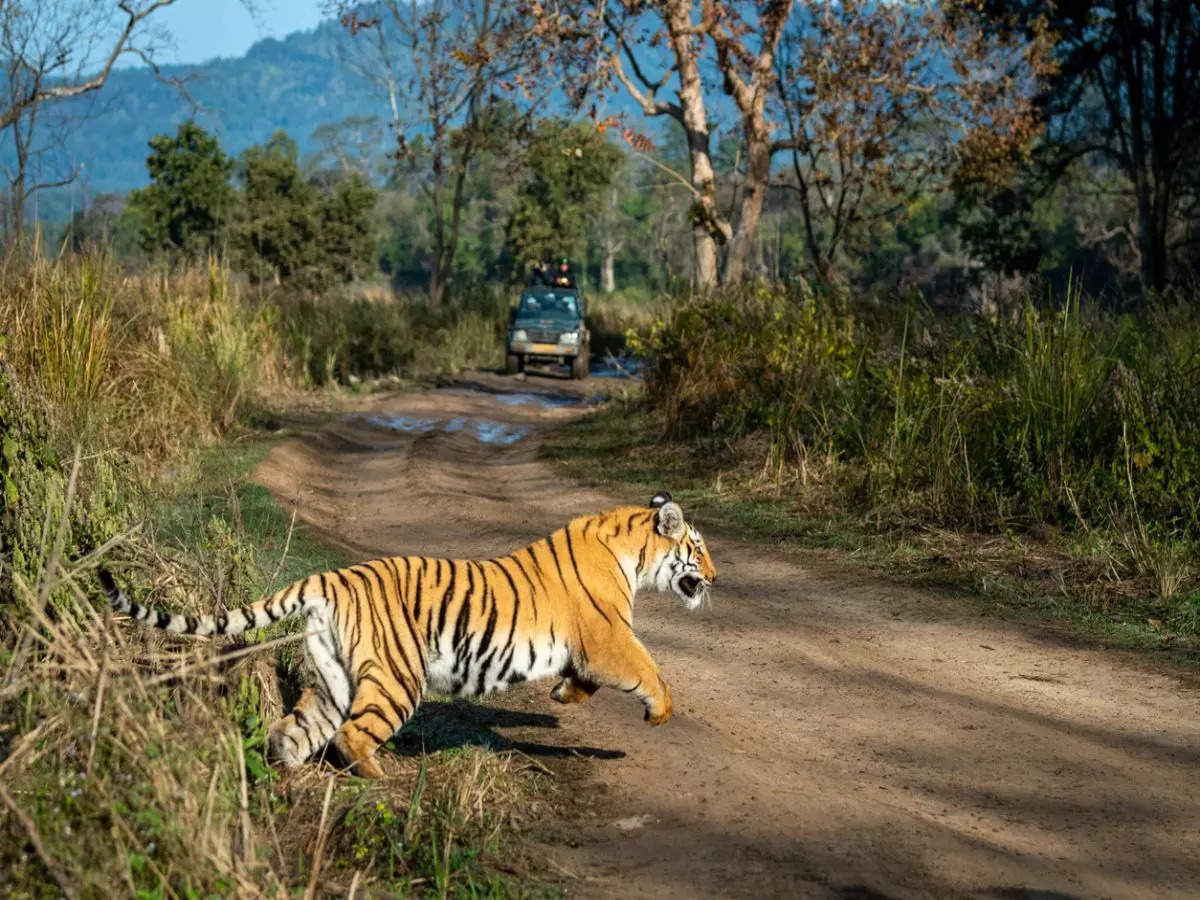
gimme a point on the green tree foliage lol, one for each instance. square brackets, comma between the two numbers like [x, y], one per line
[275, 234]
[344, 217]
[307, 232]
[569, 165]
[186, 206]
[108, 222]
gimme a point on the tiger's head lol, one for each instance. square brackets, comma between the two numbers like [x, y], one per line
[682, 564]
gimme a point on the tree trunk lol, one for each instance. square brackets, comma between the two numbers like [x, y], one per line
[437, 274]
[436, 289]
[750, 95]
[608, 280]
[707, 225]
[437, 265]
[1152, 233]
[1146, 251]
[609, 226]
[17, 195]
[754, 189]
[16, 209]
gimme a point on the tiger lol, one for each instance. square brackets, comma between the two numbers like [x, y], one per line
[381, 634]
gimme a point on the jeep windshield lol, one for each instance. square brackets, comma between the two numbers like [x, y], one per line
[549, 303]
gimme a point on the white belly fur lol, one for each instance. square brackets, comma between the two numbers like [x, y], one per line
[548, 662]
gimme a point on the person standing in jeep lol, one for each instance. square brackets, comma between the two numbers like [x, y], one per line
[540, 275]
[565, 276]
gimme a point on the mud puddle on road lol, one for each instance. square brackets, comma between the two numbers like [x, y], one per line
[486, 431]
[545, 401]
[466, 412]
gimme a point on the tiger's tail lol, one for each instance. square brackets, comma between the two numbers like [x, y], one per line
[286, 602]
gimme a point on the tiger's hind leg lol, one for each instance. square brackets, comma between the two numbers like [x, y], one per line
[321, 710]
[380, 708]
[573, 688]
[306, 729]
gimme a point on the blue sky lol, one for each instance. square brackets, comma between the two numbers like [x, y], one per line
[203, 29]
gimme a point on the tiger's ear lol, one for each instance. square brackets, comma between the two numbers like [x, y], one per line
[669, 521]
[659, 499]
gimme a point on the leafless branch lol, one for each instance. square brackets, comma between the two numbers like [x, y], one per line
[44, 92]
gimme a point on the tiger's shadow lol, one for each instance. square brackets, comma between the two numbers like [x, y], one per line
[450, 724]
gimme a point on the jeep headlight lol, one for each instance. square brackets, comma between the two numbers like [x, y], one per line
[569, 337]
[519, 336]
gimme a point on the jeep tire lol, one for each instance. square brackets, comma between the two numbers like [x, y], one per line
[579, 365]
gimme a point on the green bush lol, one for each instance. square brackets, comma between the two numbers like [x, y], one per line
[1055, 413]
[361, 337]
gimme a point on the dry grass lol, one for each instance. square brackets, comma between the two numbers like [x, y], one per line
[143, 362]
[132, 766]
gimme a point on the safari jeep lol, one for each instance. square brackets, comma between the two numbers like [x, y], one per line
[548, 329]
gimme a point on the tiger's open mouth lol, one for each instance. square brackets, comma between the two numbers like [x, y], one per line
[691, 586]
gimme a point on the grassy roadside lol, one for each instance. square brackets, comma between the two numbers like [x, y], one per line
[132, 406]
[217, 485]
[134, 765]
[1050, 578]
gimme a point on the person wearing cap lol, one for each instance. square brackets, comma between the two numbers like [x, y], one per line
[565, 276]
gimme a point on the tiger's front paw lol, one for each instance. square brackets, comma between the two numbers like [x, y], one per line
[659, 711]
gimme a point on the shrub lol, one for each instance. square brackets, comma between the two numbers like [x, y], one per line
[340, 338]
[129, 768]
[1059, 412]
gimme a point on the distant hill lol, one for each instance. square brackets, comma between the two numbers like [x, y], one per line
[296, 84]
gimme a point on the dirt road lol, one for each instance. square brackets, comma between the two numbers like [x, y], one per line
[834, 735]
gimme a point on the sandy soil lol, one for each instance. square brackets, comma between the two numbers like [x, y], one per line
[834, 735]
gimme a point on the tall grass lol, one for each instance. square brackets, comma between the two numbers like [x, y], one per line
[127, 768]
[145, 362]
[1054, 412]
[70, 334]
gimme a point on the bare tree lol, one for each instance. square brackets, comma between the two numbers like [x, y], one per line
[53, 51]
[605, 44]
[443, 66]
[676, 19]
[746, 58]
[882, 101]
[871, 96]
[348, 146]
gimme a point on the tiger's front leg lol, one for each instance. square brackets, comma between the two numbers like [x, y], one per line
[625, 664]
